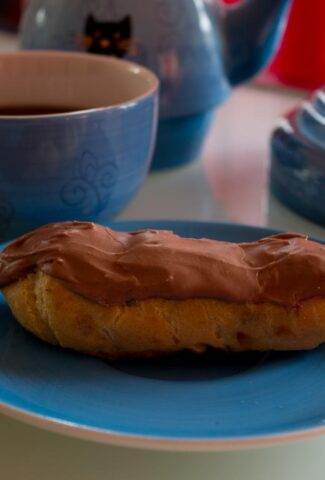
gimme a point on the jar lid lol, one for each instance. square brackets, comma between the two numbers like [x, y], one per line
[297, 174]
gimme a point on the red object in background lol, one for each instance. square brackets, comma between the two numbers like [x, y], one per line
[301, 59]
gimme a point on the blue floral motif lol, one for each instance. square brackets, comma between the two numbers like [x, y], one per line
[92, 188]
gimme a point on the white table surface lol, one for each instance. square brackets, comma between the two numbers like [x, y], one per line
[229, 183]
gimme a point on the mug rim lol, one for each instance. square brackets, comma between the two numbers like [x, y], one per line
[138, 69]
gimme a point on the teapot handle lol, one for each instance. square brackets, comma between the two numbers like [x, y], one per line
[252, 31]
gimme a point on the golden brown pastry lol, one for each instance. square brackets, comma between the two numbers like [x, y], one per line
[144, 293]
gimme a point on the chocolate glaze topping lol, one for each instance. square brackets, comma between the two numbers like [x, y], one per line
[113, 268]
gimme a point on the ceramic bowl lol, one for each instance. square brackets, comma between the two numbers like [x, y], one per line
[85, 163]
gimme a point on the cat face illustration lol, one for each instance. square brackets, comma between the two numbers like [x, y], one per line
[108, 38]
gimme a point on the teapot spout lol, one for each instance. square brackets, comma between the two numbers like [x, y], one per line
[252, 32]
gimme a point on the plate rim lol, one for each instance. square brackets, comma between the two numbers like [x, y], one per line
[161, 443]
[149, 442]
[202, 223]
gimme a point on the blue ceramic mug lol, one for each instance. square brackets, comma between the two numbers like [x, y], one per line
[76, 137]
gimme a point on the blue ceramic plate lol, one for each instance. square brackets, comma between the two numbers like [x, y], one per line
[209, 402]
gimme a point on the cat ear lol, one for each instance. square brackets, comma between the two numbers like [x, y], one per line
[126, 21]
[91, 20]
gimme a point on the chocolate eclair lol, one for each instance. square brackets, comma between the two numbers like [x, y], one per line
[112, 294]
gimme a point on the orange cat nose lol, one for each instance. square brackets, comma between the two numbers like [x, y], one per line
[105, 43]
